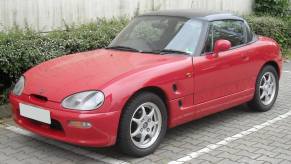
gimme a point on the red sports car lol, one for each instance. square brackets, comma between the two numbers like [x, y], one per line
[164, 69]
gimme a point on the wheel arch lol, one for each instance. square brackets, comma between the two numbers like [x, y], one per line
[156, 90]
[256, 103]
[275, 65]
[153, 89]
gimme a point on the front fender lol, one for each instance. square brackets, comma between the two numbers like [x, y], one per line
[179, 73]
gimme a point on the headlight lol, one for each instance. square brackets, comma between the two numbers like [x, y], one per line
[19, 86]
[88, 100]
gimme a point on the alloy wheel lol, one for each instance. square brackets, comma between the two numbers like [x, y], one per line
[145, 125]
[267, 88]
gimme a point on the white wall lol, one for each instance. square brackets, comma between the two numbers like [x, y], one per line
[45, 15]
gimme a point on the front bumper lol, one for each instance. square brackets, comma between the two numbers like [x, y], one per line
[103, 132]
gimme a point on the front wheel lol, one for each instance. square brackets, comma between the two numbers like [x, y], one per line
[143, 124]
[267, 86]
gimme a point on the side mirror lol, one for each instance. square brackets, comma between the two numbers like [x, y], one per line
[221, 45]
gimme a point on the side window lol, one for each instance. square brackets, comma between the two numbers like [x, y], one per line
[209, 40]
[250, 34]
[231, 30]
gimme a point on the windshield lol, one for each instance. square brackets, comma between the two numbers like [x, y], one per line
[159, 34]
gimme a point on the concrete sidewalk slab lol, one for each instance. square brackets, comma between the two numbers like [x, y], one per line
[5, 111]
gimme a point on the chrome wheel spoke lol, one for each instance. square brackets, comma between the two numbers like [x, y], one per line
[267, 98]
[151, 114]
[151, 133]
[142, 139]
[263, 94]
[270, 90]
[143, 112]
[269, 78]
[135, 133]
[151, 124]
[264, 80]
[155, 123]
[137, 121]
[272, 85]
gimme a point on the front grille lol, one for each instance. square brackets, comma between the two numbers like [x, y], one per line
[55, 125]
[39, 97]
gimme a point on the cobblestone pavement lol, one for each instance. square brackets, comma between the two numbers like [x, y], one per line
[271, 144]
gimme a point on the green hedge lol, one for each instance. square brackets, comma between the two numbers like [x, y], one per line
[22, 49]
[274, 27]
[272, 7]
[288, 19]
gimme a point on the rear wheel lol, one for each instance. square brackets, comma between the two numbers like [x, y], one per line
[143, 124]
[267, 86]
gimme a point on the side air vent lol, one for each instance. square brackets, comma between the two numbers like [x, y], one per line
[174, 87]
[180, 103]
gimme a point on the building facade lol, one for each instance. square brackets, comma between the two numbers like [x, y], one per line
[47, 15]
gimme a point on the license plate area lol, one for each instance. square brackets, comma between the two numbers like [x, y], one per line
[35, 113]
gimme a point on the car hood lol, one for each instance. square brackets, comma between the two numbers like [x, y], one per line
[93, 70]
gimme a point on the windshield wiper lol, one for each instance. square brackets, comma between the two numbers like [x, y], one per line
[164, 51]
[123, 48]
[171, 51]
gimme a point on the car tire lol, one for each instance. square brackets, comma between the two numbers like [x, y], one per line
[265, 97]
[135, 123]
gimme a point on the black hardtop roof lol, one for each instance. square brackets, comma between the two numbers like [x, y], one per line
[195, 14]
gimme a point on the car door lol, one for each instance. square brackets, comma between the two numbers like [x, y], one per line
[220, 80]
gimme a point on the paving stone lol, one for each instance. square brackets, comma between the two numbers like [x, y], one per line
[21, 156]
[241, 146]
[263, 146]
[12, 161]
[284, 156]
[285, 162]
[250, 160]
[266, 153]
[226, 161]
[199, 161]
[248, 154]
[4, 157]
[208, 157]
[269, 159]
[229, 156]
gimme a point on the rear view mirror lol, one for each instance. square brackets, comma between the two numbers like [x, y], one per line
[221, 45]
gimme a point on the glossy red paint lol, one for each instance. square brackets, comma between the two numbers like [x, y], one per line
[205, 84]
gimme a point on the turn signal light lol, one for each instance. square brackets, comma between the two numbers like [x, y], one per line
[80, 124]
